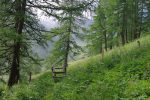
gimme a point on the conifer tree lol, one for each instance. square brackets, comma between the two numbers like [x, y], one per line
[71, 28]
[122, 20]
[19, 29]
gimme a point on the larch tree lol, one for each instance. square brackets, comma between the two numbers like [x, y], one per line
[122, 20]
[102, 30]
[71, 28]
[19, 30]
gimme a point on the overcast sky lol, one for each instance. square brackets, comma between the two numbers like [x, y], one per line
[47, 22]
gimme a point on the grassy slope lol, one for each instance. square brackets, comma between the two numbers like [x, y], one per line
[123, 74]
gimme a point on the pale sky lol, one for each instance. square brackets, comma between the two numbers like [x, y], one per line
[48, 22]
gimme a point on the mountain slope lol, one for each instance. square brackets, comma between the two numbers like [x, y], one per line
[123, 74]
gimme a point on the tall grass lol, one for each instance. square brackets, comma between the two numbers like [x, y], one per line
[123, 74]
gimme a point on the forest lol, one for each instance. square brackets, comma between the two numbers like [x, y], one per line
[83, 50]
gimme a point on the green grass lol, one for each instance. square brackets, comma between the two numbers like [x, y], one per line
[123, 74]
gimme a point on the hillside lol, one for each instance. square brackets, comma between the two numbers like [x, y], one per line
[123, 74]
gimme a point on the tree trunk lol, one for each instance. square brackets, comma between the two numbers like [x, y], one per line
[124, 24]
[118, 40]
[101, 46]
[122, 38]
[132, 21]
[126, 35]
[30, 77]
[136, 32]
[105, 39]
[20, 7]
[141, 19]
[14, 74]
[68, 42]
[111, 41]
[66, 56]
[111, 46]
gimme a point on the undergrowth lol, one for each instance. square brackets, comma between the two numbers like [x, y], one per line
[123, 74]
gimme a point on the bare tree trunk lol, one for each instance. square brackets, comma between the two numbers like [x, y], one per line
[14, 72]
